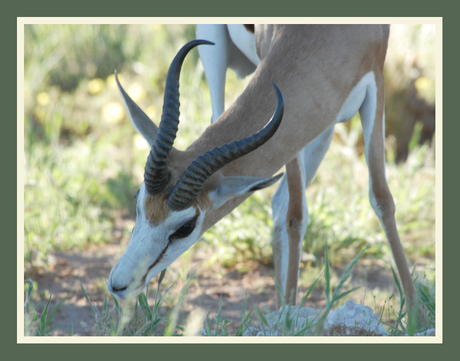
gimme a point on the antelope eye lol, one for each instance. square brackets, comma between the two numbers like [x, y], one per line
[184, 230]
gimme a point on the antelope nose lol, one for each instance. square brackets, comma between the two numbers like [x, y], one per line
[117, 285]
[116, 290]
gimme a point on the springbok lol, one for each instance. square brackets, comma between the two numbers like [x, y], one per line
[326, 73]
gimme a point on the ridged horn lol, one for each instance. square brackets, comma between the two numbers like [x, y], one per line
[189, 185]
[156, 175]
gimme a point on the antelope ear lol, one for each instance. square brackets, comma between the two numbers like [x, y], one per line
[139, 119]
[230, 187]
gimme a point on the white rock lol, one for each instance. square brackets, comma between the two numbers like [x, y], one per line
[205, 333]
[251, 331]
[429, 332]
[298, 317]
[353, 319]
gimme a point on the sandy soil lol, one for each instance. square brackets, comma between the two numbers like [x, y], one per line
[92, 266]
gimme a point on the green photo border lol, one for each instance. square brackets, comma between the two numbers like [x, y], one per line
[236, 8]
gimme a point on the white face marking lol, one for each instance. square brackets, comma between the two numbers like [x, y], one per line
[152, 248]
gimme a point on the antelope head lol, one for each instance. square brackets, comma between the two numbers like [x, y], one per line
[178, 192]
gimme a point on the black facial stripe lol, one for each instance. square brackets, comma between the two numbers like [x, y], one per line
[154, 263]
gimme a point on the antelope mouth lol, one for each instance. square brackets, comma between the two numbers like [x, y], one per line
[159, 258]
[130, 289]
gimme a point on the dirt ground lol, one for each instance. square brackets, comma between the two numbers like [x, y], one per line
[92, 266]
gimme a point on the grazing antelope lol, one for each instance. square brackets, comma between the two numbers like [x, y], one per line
[326, 73]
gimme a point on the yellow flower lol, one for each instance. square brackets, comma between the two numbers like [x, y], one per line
[43, 99]
[40, 113]
[423, 83]
[152, 113]
[113, 112]
[140, 142]
[136, 92]
[95, 86]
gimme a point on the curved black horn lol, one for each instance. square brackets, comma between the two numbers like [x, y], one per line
[156, 175]
[189, 185]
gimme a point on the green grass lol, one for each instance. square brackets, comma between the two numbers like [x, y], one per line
[135, 317]
[83, 159]
[84, 163]
[35, 325]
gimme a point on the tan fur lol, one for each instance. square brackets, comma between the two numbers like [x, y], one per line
[156, 208]
[315, 67]
[203, 200]
[385, 202]
[298, 59]
[293, 227]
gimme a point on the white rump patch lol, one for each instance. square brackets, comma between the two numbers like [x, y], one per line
[366, 87]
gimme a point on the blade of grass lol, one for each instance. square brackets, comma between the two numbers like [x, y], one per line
[346, 274]
[43, 318]
[244, 320]
[89, 301]
[261, 316]
[339, 296]
[171, 326]
[28, 293]
[50, 318]
[309, 291]
[218, 317]
[401, 313]
[327, 274]
[336, 295]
